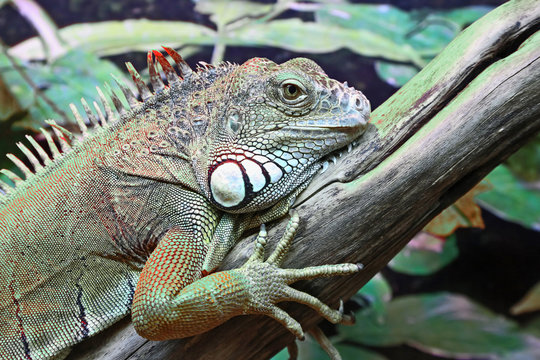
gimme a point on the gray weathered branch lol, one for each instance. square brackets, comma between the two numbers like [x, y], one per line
[467, 111]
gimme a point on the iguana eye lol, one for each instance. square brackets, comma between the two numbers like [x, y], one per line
[291, 91]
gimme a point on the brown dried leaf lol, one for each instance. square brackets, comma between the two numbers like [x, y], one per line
[463, 213]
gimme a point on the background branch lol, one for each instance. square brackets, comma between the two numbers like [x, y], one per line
[41, 21]
[468, 110]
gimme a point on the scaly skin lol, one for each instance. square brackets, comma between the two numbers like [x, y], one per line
[134, 214]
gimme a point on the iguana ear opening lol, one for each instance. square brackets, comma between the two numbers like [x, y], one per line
[233, 121]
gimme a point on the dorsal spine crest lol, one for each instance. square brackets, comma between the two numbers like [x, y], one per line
[30, 156]
[89, 113]
[103, 116]
[79, 119]
[41, 152]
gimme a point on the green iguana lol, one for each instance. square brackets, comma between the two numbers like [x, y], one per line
[136, 213]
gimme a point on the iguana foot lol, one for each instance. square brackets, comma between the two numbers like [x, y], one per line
[269, 284]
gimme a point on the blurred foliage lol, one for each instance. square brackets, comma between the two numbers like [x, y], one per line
[424, 33]
[346, 351]
[223, 12]
[425, 254]
[311, 350]
[107, 38]
[444, 324]
[526, 162]
[235, 27]
[463, 213]
[533, 326]
[68, 78]
[377, 292]
[511, 198]
[398, 43]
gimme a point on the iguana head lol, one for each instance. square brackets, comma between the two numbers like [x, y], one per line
[271, 130]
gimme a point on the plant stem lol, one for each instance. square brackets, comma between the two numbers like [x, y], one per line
[218, 53]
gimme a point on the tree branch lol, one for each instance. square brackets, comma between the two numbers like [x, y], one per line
[467, 111]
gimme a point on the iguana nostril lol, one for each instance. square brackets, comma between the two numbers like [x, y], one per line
[358, 103]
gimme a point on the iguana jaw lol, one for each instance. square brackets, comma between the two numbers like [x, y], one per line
[341, 129]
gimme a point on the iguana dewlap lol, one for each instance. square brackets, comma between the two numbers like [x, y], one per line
[132, 214]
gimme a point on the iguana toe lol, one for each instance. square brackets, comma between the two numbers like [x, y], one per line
[270, 283]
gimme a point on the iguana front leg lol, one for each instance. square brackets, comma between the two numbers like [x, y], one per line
[162, 311]
[174, 264]
[232, 226]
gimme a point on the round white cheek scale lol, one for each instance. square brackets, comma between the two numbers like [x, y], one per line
[227, 184]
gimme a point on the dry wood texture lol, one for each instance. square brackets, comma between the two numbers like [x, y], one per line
[468, 110]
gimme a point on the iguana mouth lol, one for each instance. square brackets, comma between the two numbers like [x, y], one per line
[336, 154]
[351, 126]
[355, 122]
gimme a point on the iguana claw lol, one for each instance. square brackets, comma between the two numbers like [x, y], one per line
[270, 283]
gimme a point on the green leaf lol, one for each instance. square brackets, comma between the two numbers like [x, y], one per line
[311, 350]
[426, 32]
[65, 81]
[385, 20]
[419, 260]
[9, 106]
[117, 37]
[372, 329]
[447, 325]
[427, 35]
[356, 352]
[223, 12]
[299, 36]
[465, 15]
[282, 355]
[431, 35]
[114, 37]
[512, 199]
[377, 292]
[395, 74]
[20, 91]
[525, 163]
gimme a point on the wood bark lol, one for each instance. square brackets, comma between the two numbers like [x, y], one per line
[467, 111]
